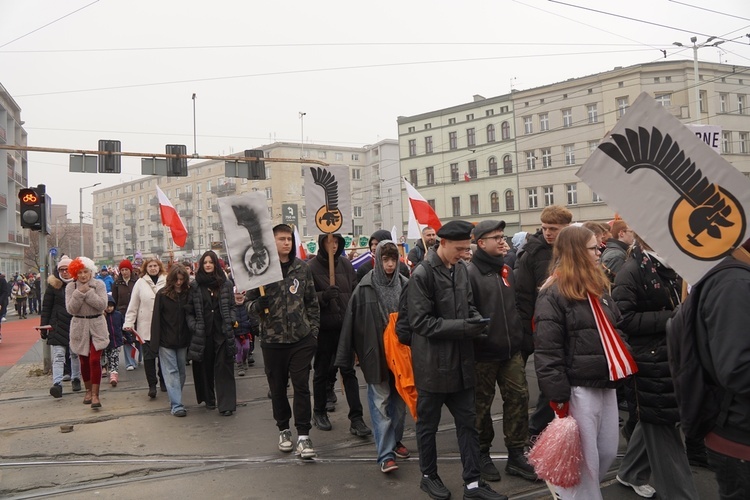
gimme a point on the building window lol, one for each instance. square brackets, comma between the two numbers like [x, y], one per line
[546, 157]
[592, 113]
[530, 160]
[452, 140]
[357, 211]
[413, 177]
[494, 202]
[743, 143]
[430, 175]
[428, 144]
[702, 100]
[510, 202]
[489, 112]
[567, 115]
[533, 201]
[269, 193]
[572, 190]
[412, 147]
[543, 122]
[664, 99]
[451, 121]
[596, 198]
[622, 106]
[503, 109]
[741, 104]
[474, 204]
[358, 230]
[505, 131]
[427, 126]
[507, 165]
[469, 117]
[528, 126]
[490, 133]
[456, 203]
[411, 129]
[726, 142]
[492, 165]
[432, 205]
[339, 156]
[570, 155]
[322, 155]
[592, 146]
[723, 103]
[356, 174]
[454, 172]
[471, 137]
[473, 169]
[549, 196]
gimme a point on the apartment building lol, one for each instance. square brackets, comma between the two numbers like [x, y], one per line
[555, 128]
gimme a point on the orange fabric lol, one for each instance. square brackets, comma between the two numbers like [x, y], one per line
[398, 357]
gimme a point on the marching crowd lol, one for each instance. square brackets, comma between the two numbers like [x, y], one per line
[590, 301]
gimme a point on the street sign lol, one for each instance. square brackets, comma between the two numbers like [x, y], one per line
[153, 166]
[83, 163]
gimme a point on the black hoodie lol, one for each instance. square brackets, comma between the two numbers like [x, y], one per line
[332, 313]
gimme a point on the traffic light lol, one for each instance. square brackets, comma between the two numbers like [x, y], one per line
[257, 170]
[177, 167]
[32, 208]
[109, 163]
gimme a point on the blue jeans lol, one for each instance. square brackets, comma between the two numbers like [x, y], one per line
[129, 359]
[58, 364]
[172, 363]
[387, 411]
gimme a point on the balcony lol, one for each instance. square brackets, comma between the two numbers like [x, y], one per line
[215, 208]
[107, 239]
[216, 226]
[186, 196]
[3, 136]
[107, 211]
[11, 237]
[153, 201]
[157, 249]
[3, 201]
[130, 222]
[129, 207]
[224, 189]
[187, 213]
[157, 234]
[130, 237]
[108, 226]
[155, 217]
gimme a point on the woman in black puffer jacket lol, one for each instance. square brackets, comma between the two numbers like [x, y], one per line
[647, 291]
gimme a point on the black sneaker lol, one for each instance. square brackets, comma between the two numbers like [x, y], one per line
[433, 486]
[484, 492]
[487, 469]
[321, 421]
[359, 428]
[55, 391]
[518, 465]
[152, 392]
[76, 385]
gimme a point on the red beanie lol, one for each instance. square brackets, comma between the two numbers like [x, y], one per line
[125, 264]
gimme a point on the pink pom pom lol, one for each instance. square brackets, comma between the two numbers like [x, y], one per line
[557, 454]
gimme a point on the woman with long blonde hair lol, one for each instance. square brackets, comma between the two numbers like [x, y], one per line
[579, 354]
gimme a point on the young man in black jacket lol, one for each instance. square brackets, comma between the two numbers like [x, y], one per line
[444, 323]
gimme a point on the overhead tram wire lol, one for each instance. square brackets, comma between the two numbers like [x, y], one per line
[48, 24]
[734, 16]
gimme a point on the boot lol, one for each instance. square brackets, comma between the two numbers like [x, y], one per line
[113, 379]
[487, 469]
[518, 465]
[696, 453]
[87, 396]
[95, 403]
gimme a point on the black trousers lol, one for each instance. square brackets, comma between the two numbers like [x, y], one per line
[281, 363]
[325, 355]
[462, 406]
[214, 376]
[150, 366]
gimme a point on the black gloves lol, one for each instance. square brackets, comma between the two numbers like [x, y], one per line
[331, 293]
[262, 303]
[475, 329]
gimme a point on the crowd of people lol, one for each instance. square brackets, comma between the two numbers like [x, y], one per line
[590, 302]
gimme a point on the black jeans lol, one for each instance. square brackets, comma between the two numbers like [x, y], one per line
[282, 362]
[149, 364]
[325, 355]
[216, 376]
[732, 474]
[462, 406]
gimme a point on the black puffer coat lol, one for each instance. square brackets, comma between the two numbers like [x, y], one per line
[196, 319]
[54, 312]
[332, 313]
[531, 271]
[569, 349]
[646, 293]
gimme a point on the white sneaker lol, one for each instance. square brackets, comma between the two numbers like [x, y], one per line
[130, 368]
[305, 449]
[645, 490]
[285, 441]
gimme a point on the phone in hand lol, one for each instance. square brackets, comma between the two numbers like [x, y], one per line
[483, 321]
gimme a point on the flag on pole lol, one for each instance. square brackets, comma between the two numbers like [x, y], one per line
[300, 247]
[467, 177]
[171, 219]
[394, 234]
[420, 211]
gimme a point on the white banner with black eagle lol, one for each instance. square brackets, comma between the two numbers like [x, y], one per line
[328, 203]
[688, 203]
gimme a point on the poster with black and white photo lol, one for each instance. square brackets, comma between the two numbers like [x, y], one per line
[250, 244]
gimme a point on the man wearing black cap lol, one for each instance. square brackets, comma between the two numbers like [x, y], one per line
[444, 323]
[498, 357]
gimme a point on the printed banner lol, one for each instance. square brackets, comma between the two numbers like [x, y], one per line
[250, 244]
[683, 199]
[328, 199]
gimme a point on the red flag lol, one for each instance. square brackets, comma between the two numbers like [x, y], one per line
[423, 212]
[171, 219]
[301, 254]
[467, 177]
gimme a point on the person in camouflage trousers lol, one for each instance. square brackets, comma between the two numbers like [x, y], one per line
[498, 357]
[289, 317]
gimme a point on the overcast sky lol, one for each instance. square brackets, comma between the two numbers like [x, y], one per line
[84, 70]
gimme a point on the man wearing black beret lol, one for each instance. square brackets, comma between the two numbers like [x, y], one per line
[444, 323]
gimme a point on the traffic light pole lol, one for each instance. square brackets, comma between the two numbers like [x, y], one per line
[44, 272]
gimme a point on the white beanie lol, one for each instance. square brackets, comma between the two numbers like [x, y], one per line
[64, 262]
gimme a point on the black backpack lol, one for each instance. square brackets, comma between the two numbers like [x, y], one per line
[702, 402]
[403, 330]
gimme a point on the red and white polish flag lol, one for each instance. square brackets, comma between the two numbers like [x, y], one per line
[301, 253]
[420, 212]
[171, 219]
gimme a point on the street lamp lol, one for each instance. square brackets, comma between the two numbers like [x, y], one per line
[707, 43]
[80, 205]
[302, 134]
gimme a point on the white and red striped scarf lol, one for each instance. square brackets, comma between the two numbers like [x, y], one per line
[619, 360]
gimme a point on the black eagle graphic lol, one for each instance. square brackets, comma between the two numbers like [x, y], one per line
[644, 149]
[256, 258]
[330, 185]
